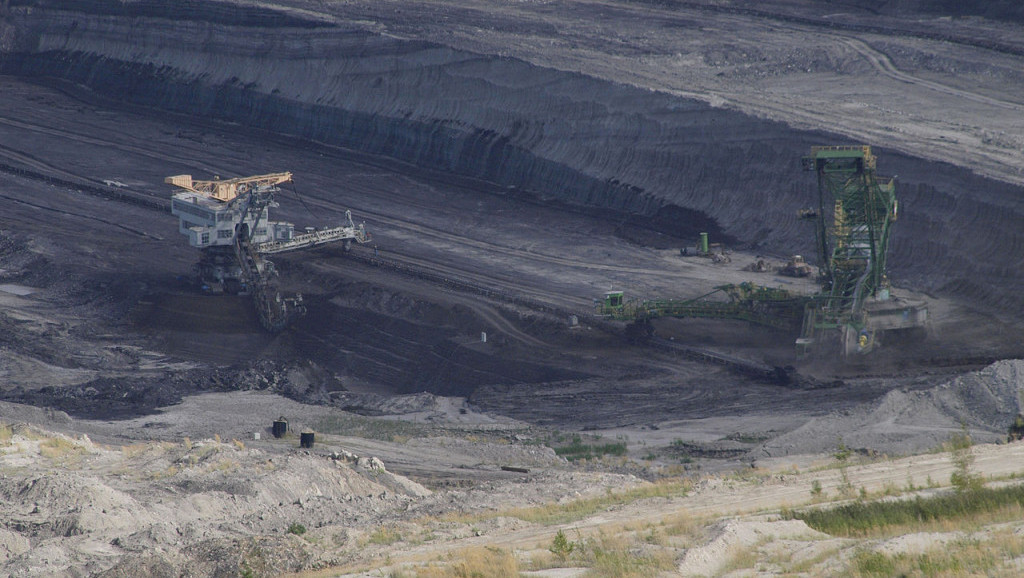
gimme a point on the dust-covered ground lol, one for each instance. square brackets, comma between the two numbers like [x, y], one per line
[443, 364]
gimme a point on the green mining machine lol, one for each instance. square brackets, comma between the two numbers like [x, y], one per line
[856, 208]
[855, 305]
[746, 301]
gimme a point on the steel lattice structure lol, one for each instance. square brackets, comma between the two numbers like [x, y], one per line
[855, 211]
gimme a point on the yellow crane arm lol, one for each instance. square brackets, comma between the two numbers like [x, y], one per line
[227, 189]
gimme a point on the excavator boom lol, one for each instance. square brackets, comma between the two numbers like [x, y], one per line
[227, 190]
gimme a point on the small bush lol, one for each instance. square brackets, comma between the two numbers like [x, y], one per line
[1016, 431]
[6, 433]
[870, 563]
[59, 447]
[842, 456]
[385, 536]
[296, 528]
[561, 546]
[962, 455]
[577, 450]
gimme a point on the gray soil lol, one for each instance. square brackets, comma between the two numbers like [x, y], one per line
[513, 161]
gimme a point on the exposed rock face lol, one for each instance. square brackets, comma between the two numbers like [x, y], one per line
[559, 135]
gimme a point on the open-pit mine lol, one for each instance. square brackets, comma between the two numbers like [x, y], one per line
[487, 257]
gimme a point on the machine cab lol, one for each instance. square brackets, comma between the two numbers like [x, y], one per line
[612, 303]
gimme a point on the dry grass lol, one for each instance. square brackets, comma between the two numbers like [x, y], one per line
[59, 448]
[6, 433]
[225, 465]
[620, 556]
[995, 556]
[740, 557]
[134, 450]
[549, 514]
[384, 536]
[203, 453]
[169, 472]
[484, 562]
[613, 552]
[806, 565]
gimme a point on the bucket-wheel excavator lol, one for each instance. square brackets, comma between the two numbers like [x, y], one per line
[855, 211]
[855, 305]
[228, 221]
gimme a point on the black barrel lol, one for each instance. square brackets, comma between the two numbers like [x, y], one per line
[280, 427]
[306, 439]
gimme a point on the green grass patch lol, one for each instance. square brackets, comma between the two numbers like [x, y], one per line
[871, 518]
[577, 450]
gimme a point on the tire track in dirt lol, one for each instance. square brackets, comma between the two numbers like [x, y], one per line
[93, 141]
[82, 216]
[883, 64]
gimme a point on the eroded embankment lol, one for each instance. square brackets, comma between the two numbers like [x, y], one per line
[555, 134]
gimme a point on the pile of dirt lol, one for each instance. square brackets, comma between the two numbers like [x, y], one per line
[75, 508]
[905, 422]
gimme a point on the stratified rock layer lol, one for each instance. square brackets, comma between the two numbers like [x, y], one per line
[556, 134]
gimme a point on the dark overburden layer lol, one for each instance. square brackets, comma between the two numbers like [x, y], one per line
[198, 10]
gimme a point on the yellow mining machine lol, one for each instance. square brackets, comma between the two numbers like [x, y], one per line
[228, 220]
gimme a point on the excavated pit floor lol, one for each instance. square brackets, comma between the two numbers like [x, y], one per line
[101, 325]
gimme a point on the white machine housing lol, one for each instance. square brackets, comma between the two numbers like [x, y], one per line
[209, 222]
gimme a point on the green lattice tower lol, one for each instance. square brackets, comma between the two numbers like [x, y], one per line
[855, 211]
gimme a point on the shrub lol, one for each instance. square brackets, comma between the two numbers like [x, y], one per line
[296, 528]
[58, 447]
[385, 536]
[962, 455]
[561, 546]
[577, 450]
